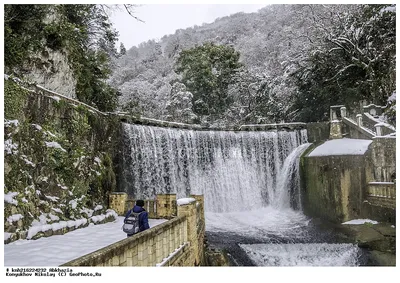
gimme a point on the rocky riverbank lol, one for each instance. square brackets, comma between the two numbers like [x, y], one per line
[379, 240]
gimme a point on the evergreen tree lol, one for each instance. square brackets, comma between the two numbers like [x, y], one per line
[207, 71]
[122, 49]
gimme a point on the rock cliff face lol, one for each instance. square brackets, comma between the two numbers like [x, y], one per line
[53, 72]
[57, 160]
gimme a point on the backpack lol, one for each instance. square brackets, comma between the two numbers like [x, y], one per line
[131, 223]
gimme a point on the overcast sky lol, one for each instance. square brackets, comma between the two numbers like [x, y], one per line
[163, 19]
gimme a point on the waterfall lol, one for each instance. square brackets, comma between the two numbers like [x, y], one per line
[235, 171]
[288, 186]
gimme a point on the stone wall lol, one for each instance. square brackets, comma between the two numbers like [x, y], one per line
[317, 132]
[345, 187]
[333, 186]
[58, 158]
[177, 242]
[383, 157]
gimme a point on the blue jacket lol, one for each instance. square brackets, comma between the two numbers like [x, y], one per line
[143, 217]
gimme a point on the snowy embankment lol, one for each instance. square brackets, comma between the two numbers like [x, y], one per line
[59, 249]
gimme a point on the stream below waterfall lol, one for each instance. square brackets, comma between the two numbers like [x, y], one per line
[271, 237]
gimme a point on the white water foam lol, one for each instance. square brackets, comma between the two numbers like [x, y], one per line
[259, 223]
[316, 254]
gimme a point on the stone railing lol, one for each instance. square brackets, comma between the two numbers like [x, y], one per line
[147, 248]
[177, 242]
[382, 189]
[381, 194]
[164, 206]
[365, 126]
[374, 110]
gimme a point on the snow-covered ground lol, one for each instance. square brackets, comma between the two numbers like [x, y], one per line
[360, 221]
[59, 249]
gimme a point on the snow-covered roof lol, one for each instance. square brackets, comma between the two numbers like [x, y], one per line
[341, 147]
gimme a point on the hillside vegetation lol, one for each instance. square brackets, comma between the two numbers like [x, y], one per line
[296, 61]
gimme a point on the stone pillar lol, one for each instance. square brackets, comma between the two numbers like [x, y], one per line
[189, 210]
[334, 116]
[117, 202]
[343, 112]
[336, 130]
[200, 202]
[378, 129]
[166, 205]
[200, 228]
[359, 120]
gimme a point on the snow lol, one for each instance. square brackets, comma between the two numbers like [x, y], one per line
[171, 255]
[50, 134]
[11, 123]
[10, 147]
[56, 98]
[63, 187]
[73, 203]
[52, 198]
[53, 251]
[388, 9]
[97, 160]
[392, 97]
[27, 161]
[381, 183]
[360, 221]
[57, 210]
[88, 212]
[98, 207]
[55, 145]
[39, 128]
[341, 147]
[14, 218]
[9, 198]
[7, 235]
[183, 201]
[97, 218]
[380, 121]
[54, 217]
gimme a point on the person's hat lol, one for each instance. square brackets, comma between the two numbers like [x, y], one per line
[140, 202]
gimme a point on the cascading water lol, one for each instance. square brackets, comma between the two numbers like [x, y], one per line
[234, 171]
[250, 182]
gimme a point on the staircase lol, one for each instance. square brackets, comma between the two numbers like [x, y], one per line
[381, 189]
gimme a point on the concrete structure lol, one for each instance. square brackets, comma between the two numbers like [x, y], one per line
[340, 187]
[166, 205]
[177, 242]
[117, 202]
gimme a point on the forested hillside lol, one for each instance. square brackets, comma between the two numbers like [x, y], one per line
[283, 63]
